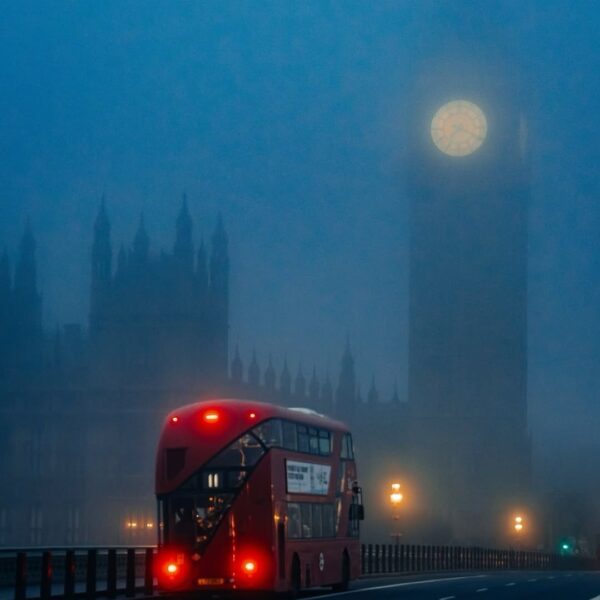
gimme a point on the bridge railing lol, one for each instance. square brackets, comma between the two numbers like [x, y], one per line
[68, 573]
[46, 573]
[399, 558]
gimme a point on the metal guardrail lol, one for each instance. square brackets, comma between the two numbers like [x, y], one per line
[399, 558]
[68, 573]
[46, 573]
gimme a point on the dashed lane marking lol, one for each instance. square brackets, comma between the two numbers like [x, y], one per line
[403, 584]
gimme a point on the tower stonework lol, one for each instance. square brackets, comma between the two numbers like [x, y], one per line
[157, 320]
[469, 188]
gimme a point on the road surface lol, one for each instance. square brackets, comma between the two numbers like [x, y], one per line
[505, 585]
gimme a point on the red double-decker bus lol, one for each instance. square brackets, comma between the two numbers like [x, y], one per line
[253, 496]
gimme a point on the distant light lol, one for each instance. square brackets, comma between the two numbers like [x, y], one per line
[133, 524]
[149, 525]
[396, 487]
[518, 526]
[252, 415]
[565, 546]
[211, 416]
[172, 568]
[518, 519]
[174, 419]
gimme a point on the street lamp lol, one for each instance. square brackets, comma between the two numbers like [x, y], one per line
[396, 498]
[518, 524]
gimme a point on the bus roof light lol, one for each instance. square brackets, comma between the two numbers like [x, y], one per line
[211, 416]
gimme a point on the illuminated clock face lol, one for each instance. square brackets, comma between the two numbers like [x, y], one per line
[458, 128]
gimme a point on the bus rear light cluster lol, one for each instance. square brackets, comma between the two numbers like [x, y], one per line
[249, 567]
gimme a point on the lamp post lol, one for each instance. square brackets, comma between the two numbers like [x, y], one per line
[396, 498]
[519, 529]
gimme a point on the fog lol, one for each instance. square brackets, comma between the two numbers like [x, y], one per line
[292, 122]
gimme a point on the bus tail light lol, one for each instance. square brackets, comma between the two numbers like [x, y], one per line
[172, 570]
[249, 567]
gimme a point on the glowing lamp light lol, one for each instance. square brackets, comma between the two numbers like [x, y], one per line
[149, 525]
[172, 568]
[174, 419]
[252, 415]
[249, 567]
[396, 496]
[211, 416]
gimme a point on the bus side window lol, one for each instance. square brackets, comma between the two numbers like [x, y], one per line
[313, 440]
[289, 436]
[324, 442]
[328, 521]
[347, 450]
[294, 522]
[341, 482]
[317, 520]
[307, 530]
[302, 438]
[269, 433]
[338, 514]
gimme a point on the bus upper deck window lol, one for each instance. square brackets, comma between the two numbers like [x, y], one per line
[324, 442]
[347, 450]
[269, 433]
[303, 445]
[313, 437]
[290, 441]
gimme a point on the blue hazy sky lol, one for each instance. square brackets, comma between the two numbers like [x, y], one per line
[288, 117]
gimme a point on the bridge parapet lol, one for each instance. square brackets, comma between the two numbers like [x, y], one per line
[127, 572]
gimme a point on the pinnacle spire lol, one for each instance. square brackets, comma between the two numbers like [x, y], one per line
[184, 246]
[237, 368]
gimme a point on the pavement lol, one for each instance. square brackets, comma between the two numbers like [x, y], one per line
[507, 585]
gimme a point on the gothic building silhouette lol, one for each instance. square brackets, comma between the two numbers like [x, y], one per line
[81, 407]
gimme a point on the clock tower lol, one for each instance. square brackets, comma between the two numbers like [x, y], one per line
[468, 181]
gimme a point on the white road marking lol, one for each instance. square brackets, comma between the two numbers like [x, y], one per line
[403, 584]
[509, 584]
[447, 598]
[595, 598]
[481, 590]
[532, 580]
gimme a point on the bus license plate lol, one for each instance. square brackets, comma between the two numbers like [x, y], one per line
[211, 581]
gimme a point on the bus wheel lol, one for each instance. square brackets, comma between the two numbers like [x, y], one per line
[342, 586]
[296, 583]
